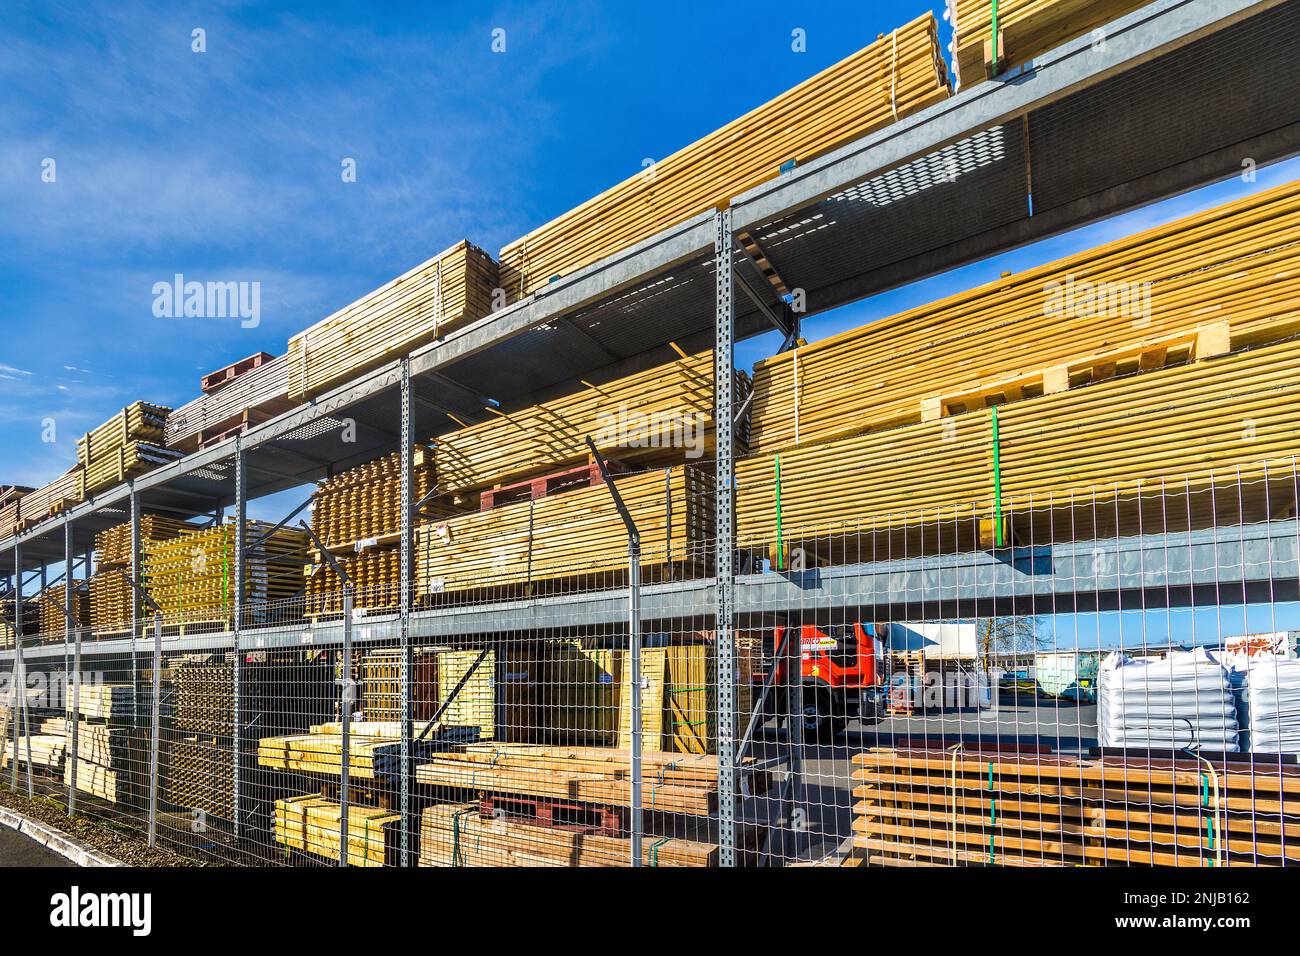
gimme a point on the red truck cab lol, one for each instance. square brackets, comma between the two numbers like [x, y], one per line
[840, 675]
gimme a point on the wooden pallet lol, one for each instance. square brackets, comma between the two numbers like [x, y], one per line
[555, 482]
[262, 390]
[224, 376]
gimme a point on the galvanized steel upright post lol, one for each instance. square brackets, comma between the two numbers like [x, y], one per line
[17, 695]
[155, 723]
[237, 725]
[136, 570]
[405, 709]
[345, 757]
[75, 634]
[724, 568]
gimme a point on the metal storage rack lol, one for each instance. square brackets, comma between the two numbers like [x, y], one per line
[1179, 94]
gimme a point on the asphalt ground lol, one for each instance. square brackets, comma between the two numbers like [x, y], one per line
[19, 850]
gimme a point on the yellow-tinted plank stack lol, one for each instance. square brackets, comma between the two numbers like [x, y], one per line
[311, 823]
[113, 545]
[49, 500]
[1027, 28]
[110, 602]
[127, 445]
[445, 293]
[660, 415]
[1238, 410]
[1223, 278]
[51, 605]
[192, 577]
[895, 76]
[574, 533]
[962, 808]
[366, 501]
[459, 835]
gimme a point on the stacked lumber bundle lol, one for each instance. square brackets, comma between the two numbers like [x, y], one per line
[1023, 29]
[192, 577]
[52, 619]
[445, 293]
[897, 75]
[570, 534]
[584, 688]
[199, 776]
[376, 583]
[47, 751]
[127, 445]
[233, 400]
[460, 835]
[111, 602]
[112, 751]
[648, 417]
[366, 502]
[45, 502]
[311, 824]
[374, 749]
[945, 807]
[203, 700]
[10, 496]
[111, 702]
[119, 786]
[673, 783]
[1236, 411]
[113, 545]
[1193, 288]
[381, 684]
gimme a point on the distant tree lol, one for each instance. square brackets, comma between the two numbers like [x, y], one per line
[1005, 636]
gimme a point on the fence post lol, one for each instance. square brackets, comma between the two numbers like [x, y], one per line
[405, 712]
[724, 568]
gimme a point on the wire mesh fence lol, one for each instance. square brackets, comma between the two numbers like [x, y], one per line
[1104, 675]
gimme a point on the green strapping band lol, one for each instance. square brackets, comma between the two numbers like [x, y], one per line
[654, 850]
[1205, 791]
[997, 481]
[994, 7]
[780, 557]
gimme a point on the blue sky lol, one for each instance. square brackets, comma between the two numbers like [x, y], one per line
[226, 165]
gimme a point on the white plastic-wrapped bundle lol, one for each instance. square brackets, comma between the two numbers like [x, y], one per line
[1272, 699]
[1183, 701]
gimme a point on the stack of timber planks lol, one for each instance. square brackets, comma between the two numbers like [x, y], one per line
[10, 497]
[111, 602]
[311, 824]
[1229, 415]
[127, 445]
[47, 745]
[638, 418]
[238, 397]
[571, 534]
[113, 545]
[959, 807]
[673, 783]
[192, 577]
[365, 502]
[460, 835]
[445, 293]
[1218, 280]
[112, 751]
[52, 604]
[357, 514]
[897, 75]
[47, 501]
[1023, 30]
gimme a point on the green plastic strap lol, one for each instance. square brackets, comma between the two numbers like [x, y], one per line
[993, 811]
[997, 481]
[780, 557]
[990, 774]
[992, 854]
[654, 850]
[994, 7]
[1205, 790]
